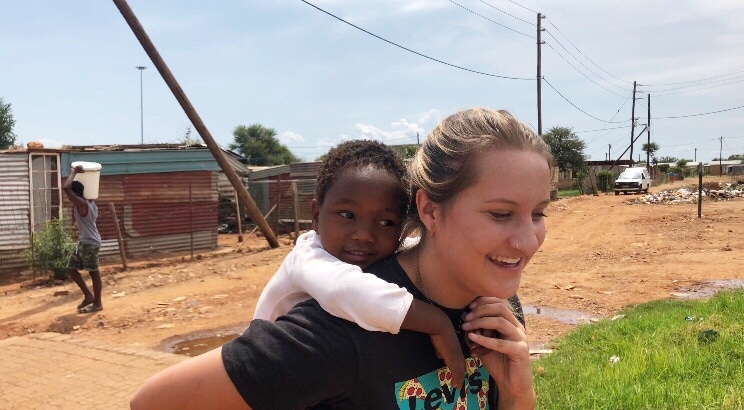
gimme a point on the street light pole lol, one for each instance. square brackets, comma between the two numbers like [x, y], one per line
[142, 121]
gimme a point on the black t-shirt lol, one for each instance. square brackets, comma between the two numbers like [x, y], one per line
[311, 359]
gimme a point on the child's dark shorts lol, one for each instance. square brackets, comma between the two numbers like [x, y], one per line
[85, 257]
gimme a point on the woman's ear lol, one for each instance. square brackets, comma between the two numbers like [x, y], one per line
[315, 209]
[428, 210]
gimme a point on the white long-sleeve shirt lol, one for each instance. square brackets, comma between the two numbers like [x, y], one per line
[342, 289]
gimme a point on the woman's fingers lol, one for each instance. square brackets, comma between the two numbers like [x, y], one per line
[484, 307]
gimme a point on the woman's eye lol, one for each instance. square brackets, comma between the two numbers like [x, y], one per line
[500, 215]
[539, 215]
[346, 214]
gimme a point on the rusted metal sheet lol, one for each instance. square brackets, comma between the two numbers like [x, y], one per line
[151, 207]
[14, 211]
[303, 170]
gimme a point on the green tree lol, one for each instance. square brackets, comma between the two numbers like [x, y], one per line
[260, 146]
[650, 148]
[567, 148]
[734, 157]
[7, 137]
[682, 170]
[668, 159]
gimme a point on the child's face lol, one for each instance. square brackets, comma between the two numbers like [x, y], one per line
[359, 221]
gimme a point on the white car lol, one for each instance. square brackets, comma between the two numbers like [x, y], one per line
[633, 180]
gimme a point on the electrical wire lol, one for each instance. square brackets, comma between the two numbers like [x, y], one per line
[510, 15]
[584, 65]
[577, 107]
[585, 56]
[580, 72]
[416, 52]
[698, 115]
[486, 18]
[694, 81]
[526, 8]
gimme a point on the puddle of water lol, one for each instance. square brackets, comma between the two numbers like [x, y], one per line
[708, 288]
[196, 343]
[195, 347]
[571, 317]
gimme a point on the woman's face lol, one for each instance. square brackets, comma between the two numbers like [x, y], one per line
[493, 228]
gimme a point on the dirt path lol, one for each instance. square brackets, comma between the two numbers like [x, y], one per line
[600, 255]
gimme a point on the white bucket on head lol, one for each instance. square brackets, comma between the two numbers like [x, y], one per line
[89, 177]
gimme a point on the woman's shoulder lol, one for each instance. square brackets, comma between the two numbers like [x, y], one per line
[390, 270]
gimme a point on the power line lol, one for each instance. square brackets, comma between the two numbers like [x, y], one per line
[510, 15]
[585, 56]
[693, 81]
[719, 83]
[698, 115]
[494, 22]
[526, 8]
[577, 107]
[416, 52]
[580, 72]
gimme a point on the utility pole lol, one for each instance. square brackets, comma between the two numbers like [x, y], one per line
[648, 134]
[695, 154]
[142, 111]
[539, 74]
[417, 139]
[609, 152]
[632, 124]
[720, 158]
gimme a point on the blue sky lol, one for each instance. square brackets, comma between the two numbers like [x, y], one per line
[68, 69]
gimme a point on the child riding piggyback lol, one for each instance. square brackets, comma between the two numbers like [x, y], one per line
[361, 202]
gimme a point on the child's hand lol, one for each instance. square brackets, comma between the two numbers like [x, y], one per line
[79, 169]
[502, 346]
[448, 349]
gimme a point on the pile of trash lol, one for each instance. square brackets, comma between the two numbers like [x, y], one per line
[689, 195]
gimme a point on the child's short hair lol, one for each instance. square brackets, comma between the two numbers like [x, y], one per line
[359, 153]
[78, 188]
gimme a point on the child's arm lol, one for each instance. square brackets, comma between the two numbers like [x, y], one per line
[425, 318]
[344, 291]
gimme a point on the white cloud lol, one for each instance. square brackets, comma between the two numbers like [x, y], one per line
[289, 136]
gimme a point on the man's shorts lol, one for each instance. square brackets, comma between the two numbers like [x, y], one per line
[85, 257]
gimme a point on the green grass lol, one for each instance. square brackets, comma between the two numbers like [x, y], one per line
[564, 193]
[662, 364]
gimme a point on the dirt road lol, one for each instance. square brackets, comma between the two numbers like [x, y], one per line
[600, 255]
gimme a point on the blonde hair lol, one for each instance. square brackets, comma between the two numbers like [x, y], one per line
[444, 165]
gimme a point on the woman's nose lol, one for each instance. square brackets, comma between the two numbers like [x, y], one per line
[525, 239]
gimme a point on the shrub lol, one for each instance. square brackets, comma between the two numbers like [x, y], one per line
[605, 180]
[51, 249]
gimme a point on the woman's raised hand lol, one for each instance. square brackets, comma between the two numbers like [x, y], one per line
[500, 342]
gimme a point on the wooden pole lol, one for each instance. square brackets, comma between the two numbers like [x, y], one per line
[278, 202]
[122, 253]
[196, 120]
[539, 74]
[239, 218]
[256, 228]
[191, 221]
[296, 207]
[632, 124]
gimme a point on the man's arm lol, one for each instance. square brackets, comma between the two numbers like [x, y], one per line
[80, 203]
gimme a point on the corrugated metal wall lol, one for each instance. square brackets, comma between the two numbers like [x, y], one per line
[156, 212]
[15, 206]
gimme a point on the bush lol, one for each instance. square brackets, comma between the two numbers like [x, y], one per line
[605, 180]
[51, 249]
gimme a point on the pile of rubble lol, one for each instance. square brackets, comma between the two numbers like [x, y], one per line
[689, 195]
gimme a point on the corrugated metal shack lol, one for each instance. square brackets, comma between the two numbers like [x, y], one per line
[165, 197]
[273, 186]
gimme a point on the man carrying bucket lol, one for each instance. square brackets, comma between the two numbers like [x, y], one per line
[85, 257]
